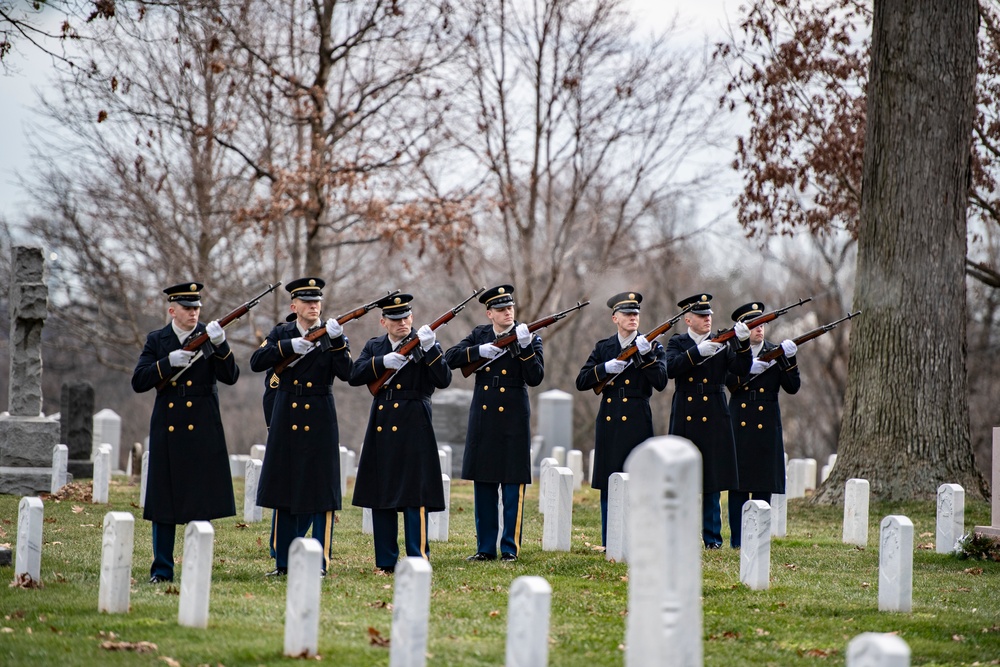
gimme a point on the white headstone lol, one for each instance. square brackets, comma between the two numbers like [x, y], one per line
[831, 461]
[443, 460]
[590, 468]
[559, 454]
[449, 452]
[950, 517]
[343, 470]
[617, 547]
[257, 452]
[574, 461]
[664, 622]
[238, 465]
[252, 512]
[60, 461]
[895, 564]
[809, 480]
[107, 430]
[117, 544]
[755, 548]
[779, 515]
[993, 530]
[873, 649]
[499, 520]
[796, 485]
[28, 558]
[555, 421]
[824, 472]
[305, 561]
[537, 442]
[352, 467]
[142, 479]
[856, 512]
[438, 522]
[528, 622]
[366, 521]
[196, 575]
[411, 608]
[547, 462]
[557, 530]
[102, 474]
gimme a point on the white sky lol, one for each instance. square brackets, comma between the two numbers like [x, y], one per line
[18, 89]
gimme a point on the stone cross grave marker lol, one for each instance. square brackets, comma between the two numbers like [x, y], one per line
[305, 561]
[411, 608]
[950, 517]
[755, 550]
[617, 546]
[895, 564]
[528, 622]
[557, 529]
[664, 622]
[856, 512]
[196, 575]
[117, 544]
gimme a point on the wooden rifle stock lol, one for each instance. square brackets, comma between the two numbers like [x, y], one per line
[194, 343]
[777, 352]
[757, 321]
[505, 341]
[631, 350]
[318, 332]
[407, 348]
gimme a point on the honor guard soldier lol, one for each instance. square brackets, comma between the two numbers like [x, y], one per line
[624, 419]
[756, 417]
[399, 469]
[700, 411]
[189, 477]
[300, 478]
[498, 442]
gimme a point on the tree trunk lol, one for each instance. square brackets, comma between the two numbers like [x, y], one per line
[905, 426]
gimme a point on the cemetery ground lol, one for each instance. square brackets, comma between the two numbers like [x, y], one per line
[822, 593]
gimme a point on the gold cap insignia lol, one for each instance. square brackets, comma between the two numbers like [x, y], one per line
[501, 290]
[312, 283]
[194, 288]
[398, 301]
[631, 295]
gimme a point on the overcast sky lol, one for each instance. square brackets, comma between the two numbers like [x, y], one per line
[18, 89]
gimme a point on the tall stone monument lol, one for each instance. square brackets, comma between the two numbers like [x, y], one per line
[26, 438]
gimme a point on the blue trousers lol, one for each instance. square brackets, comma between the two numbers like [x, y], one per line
[736, 501]
[164, 535]
[711, 518]
[488, 519]
[288, 526]
[385, 530]
[604, 517]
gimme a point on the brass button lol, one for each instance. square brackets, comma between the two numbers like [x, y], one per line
[704, 419]
[704, 398]
[760, 409]
[189, 404]
[503, 372]
[704, 380]
[743, 405]
[500, 408]
[309, 384]
[306, 406]
[173, 384]
[624, 400]
[171, 428]
[189, 383]
[484, 407]
[689, 418]
[624, 418]
[690, 398]
[743, 423]
[399, 386]
[609, 418]
[296, 382]
[170, 405]
[627, 381]
[690, 379]
[487, 369]
[295, 405]
[393, 429]
[503, 389]
[305, 428]
[379, 429]
[395, 405]
[486, 387]
[190, 427]
[380, 407]
[609, 400]
[760, 426]
[761, 390]
[295, 427]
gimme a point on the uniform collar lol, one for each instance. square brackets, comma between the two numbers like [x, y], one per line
[180, 333]
[624, 342]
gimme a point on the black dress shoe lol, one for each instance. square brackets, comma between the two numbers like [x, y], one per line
[509, 558]
[160, 579]
[479, 555]
[713, 546]
[277, 572]
[386, 570]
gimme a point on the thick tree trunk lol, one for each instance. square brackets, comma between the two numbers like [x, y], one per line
[905, 426]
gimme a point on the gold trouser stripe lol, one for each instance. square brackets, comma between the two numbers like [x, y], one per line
[328, 540]
[520, 515]
[423, 532]
[274, 533]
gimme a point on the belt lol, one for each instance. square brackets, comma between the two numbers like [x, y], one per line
[403, 395]
[495, 382]
[184, 390]
[701, 389]
[757, 397]
[302, 390]
[622, 392]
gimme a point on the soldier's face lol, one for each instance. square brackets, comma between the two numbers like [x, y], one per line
[626, 323]
[185, 317]
[757, 335]
[307, 311]
[699, 324]
[501, 317]
[398, 329]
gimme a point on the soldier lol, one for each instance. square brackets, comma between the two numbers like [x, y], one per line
[699, 411]
[300, 478]
[624, 419]
[498, 443]
[756, 418]
[399, 469]
[189, 477]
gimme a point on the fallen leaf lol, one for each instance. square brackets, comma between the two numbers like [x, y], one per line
[170, 661]
[24, 580]
[375, 638]
[818, 652]
[494, 613]
[957, 638]
[926, 546]
[926, 534]
[865, 584]
[77, 509]
[974, 571]
[791, 566]
[138, 647]
[761, 632]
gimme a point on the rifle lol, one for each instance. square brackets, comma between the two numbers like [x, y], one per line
[504, 341]
[629, 351]
[202, 338]
[407, 348]
[757, 321]
[776, 352]
[318, 332]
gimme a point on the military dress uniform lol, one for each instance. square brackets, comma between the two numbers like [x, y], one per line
[756, 419]
[700, 412]
[498, 441]
[399, 469]
[188, 478]
[624, 419]
[300, 477]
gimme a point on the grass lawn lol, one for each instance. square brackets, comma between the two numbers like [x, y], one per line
[822, 594]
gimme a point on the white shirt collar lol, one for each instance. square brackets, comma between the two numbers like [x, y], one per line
[624, 342]
[180, 333]
[756, 349]
[698, 338]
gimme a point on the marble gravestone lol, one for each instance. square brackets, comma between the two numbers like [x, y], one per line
[557, 528]
[528, 622]
[617, 544]
[555, 422]
[874, 649]
[60, 458]
[305, 560]
[76, 426]
[993, 530]
[196, 575]
[450, 419]
[895, 564]
[117, 544]
[108, 431]
[856, 512]
[30, 515]
[755, 552]
[950, 517]
[26, 438]
[411, 609]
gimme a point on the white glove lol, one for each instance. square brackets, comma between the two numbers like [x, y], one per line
[741, 330]
[707, 348]
[643, 345]
[523, 335]
[489, 351]
[789, 347]
[427, 337]
[759, 366]
[301, 345]
[334, 328]
[393, 360]
[615, 366]
[180, 358]
[215, 332]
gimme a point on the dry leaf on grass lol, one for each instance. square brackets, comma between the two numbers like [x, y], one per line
[974, 571]
[138, 647]
[24, 580]
[170, 661]
[375, 638]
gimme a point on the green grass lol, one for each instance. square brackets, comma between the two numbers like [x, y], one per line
[822, 594]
